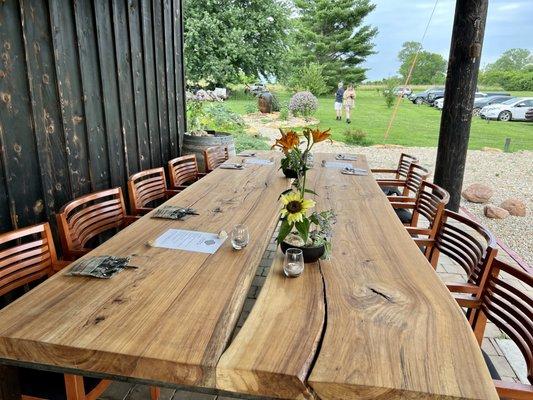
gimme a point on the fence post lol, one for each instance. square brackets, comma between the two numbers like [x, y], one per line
[507, 145]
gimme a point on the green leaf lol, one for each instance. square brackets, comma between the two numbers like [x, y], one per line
[284, 193]
[303, 229]
[284, 230]
[311, 191]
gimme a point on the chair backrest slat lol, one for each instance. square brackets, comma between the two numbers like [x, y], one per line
[88, 217]
[469, 244]
[214, 156]
[26, 254]
[145, 187]
[182, 170]
[403, 165]
[430, 202]
[509, 307]
[415, 176]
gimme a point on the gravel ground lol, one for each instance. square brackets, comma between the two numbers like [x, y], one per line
[509, 174]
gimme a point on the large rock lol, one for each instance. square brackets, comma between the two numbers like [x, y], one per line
[478, 193]
[515, 207]
[495, 212]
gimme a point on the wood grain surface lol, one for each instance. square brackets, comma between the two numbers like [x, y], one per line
[393, 330]
[170, 319]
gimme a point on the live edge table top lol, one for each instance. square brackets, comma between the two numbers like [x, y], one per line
[374, 321]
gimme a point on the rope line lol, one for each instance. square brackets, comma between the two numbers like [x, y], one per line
[409, 74]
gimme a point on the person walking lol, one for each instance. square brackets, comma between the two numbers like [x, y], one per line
[338, 101]
[349, 101]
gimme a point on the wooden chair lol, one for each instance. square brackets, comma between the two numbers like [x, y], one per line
[183, 171]
[400, 172]
[470, 245]
[88, 217]
[214, 156]
[410, 185]
[147, 187]
[510, 308]
[28, 255]
[429, 203]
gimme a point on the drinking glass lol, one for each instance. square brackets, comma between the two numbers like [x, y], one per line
[240, 237]
[294, 263]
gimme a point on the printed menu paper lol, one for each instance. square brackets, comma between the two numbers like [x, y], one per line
[180, 239]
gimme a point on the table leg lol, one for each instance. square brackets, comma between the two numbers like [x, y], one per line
[9, 383]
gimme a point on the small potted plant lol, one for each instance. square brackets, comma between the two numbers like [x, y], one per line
[310, 233]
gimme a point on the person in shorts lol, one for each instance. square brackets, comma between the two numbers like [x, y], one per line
[349, 101]
[338, 101]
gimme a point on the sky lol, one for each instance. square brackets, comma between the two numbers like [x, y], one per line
[509, 25]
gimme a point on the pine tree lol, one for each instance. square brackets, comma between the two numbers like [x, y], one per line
[331, 33]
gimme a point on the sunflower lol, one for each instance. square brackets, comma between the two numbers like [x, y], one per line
[288, 141]
[320, 136]
[295, 207]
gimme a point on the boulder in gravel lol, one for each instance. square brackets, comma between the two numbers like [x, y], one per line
[515, 207]
[495, 212]
[478, 193]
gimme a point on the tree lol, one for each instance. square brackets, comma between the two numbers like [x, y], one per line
[309, 78]
[512, 60]
[225, 38]
[330, 33]
[429, 67]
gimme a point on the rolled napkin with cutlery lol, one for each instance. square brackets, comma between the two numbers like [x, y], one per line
[231, 166]
[103, 267]
[347, 157]
[173, 212]
[354, 171]
[246, 154]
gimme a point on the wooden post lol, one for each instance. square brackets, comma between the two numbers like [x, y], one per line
[461, 80]
[9, 383]
[507, 145]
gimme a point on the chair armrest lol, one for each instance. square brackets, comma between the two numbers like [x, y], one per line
[130, 219]
[395, 204]
[202, 174]
[514, 390]
[403, 199]
[59, 265]
[171, 192]
[424, 242]
[462, 288]
[390, 182]
[413, 230]
[467, 301]
[383, 171]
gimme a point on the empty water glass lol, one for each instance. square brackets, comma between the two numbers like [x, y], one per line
[240, 237]
[294, 263]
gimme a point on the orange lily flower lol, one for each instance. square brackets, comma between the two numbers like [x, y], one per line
[288, 141]
[320, 136]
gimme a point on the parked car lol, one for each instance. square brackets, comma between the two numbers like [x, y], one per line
[439, 103]
[421, 97]
[529, 115]
[404, 91]
[513, 109]
[481, 102]
[434, 95]
[479, 96]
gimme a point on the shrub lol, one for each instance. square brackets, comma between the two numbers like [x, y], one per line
[284, 113]
[250, 108]
[195, 115]
[245, 141]
[356, 137]
[509, 80]
[218, 117]
[388, 92]
[303, 104]
[275, 102]
[309, 78]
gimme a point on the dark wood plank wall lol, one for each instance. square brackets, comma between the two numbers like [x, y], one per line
[90, 93]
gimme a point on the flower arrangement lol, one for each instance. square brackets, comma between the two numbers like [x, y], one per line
[304, 104]
[297, 228]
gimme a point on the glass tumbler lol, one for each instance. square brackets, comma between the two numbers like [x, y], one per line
[240, 237]
[294, 263]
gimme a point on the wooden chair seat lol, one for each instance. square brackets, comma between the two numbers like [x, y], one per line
[214, 156]
[183, 171]
[88, 217]
[507, 302]
[146, 188]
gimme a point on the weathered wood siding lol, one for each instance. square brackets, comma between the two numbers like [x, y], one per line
[91, 91]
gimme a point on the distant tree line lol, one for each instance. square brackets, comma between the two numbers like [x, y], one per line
[512, 71]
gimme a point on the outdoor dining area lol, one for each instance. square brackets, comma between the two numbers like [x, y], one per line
[157, 302]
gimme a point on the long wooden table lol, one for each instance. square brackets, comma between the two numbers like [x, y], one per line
[374, 322]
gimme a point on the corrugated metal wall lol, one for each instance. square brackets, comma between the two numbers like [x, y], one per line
[91, 91]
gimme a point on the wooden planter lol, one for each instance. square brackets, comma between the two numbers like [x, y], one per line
[197, 144]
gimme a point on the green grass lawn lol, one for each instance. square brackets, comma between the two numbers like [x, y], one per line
[413, 126]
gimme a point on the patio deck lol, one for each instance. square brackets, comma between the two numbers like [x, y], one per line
[504, 354]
